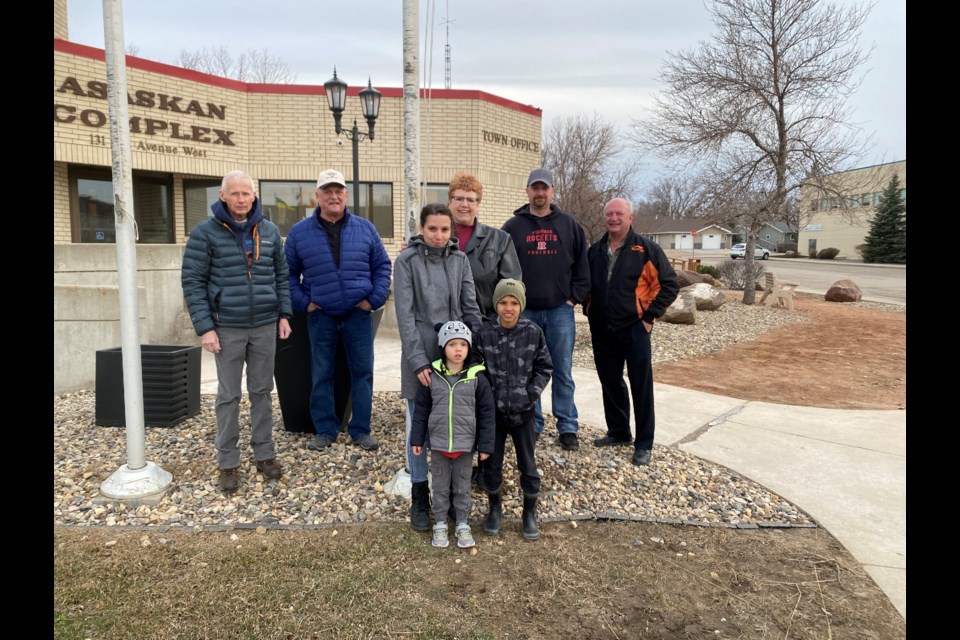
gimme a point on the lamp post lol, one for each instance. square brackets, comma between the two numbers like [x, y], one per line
[336, 90]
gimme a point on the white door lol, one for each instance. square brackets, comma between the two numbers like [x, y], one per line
[686, 241]
[711, 240]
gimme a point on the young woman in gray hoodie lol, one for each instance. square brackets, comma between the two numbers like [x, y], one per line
[432, 283]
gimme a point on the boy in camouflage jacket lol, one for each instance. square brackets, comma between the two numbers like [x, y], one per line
[518, 364]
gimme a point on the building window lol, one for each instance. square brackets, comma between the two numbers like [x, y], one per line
[198, 197]
[865, 200]
[876, 198]
[434, 193]
[903, 194]
[285, 203]
[92, 206]
[376, 201]
[153, 203]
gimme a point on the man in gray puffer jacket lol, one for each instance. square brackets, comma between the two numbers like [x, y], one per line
[235, 283]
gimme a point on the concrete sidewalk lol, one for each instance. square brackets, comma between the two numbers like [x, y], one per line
[846, 469]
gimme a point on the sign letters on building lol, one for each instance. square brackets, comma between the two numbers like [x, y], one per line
[504, 140]
[66, 113]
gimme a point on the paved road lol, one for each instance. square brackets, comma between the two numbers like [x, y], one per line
[880, 283]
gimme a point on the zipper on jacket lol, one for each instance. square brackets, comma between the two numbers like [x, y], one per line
[451, 387]
[255, 232]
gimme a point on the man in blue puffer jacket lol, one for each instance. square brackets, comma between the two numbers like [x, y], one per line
[236, 287]
[339, 273]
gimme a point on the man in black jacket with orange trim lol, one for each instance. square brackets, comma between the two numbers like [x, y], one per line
[632, 284]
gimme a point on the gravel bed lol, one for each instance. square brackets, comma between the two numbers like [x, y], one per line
[732, 323]
[346, 485]
[879, 306]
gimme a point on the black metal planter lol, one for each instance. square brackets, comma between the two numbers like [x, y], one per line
[291, 371]
[171, 385]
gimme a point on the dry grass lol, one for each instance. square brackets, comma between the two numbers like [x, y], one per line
[592, 580]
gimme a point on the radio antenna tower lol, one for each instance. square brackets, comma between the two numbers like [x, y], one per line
[448, 73]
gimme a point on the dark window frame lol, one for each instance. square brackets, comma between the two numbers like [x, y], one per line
[204, 183]
[75, 173]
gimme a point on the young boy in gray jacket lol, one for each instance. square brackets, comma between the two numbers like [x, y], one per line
[455, 411]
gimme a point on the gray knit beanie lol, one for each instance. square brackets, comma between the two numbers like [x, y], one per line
[511, 287]
[454, 329]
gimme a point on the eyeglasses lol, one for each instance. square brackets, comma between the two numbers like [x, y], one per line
[462, 199]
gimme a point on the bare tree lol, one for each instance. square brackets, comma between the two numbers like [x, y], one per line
[251, 66]
[677, 197]
[590, 166]
[762, 106]
[132, 49]
[647, 209]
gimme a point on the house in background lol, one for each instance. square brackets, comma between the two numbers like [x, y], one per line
[683, 233]
[776, 237]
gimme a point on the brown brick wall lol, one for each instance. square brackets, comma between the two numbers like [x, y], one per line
[61, 204]
[60, 29]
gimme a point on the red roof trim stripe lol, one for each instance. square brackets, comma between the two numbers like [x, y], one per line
[133, 62]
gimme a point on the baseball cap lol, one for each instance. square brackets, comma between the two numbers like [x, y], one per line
[540, 175]
[330, 176]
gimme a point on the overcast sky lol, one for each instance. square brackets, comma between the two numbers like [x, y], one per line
[562, 56]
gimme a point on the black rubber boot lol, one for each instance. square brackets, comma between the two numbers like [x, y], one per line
[491, 526]
[420, 506]
[529, 517]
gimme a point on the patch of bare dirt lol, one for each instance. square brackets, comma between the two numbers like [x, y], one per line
[846, 357]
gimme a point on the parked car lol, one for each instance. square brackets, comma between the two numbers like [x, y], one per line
[738, 251]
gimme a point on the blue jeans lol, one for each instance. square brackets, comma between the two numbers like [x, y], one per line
[417, 465]
[356, 330]
[560, 329]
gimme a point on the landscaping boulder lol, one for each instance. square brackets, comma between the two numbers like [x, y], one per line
[683, 310]
[828, 254]
[687, 278]
[843, 291]
[705, 297]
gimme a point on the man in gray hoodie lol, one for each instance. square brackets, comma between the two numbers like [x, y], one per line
[552, 248]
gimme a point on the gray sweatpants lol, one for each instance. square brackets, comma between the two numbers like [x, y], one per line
[458, 471]
[257, 348]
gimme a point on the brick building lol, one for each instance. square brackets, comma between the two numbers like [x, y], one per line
[187, 129]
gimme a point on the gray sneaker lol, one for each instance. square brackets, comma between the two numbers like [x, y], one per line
[319, 443]
[440, 536]
[367, 442]
[464, 536]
